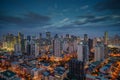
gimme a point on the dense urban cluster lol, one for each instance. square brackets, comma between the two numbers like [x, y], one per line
[59, 57]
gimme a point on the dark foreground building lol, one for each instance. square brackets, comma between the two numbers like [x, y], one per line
[76, 70]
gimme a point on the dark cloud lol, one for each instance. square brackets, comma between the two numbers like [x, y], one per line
[77, 22]
[116, 24]
[112, 5]
[26, 20]
[10, 19]
[33, 17]
[88, 16]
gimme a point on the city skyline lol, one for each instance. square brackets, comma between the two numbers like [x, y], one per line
[75, 17]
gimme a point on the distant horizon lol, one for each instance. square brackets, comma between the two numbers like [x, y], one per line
[53, 34]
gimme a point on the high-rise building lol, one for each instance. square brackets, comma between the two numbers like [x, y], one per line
[76, 70]
[83, 52]
[67, 36]
[48, 35]
[8, 42]
[57, 46]
[23, 45]
[17, 48]
[105, 51]
[85, 39]
[106, 38]
[75, 45]
[40, 36]
[28, 38]
[71, 48]
[65, 46]
[80, 51]
[99, 52]
[36, 49]
[28, 45]
[28, 48]
[90, 44]
[94, 42]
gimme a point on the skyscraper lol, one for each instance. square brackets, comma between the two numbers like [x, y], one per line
[28, 45]
[36, 49]
[80, 51]
[83, 52]
[90, 44]
[57, 46]
[48, 35]
[99, 52]
[28, 49]
[76, 70]
[40, 36]
[85, 39]
[17, 48]
[106, 38]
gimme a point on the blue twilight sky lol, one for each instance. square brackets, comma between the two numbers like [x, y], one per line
[60, 16]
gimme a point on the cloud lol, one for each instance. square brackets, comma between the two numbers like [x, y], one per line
[96, 19]
[58, 24]
[64, 20]
[116, 24]
[36, 17]
[84, 7]
[111, 5]
[27, 20]
[68, 26]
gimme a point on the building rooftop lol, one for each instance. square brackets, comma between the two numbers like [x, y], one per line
[8, 73]
[46, 73]
[2, 78]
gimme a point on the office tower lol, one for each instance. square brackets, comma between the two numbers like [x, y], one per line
[80, 51]
[106, 38]
[83, 52]
[56, 36]
[8, 42]
[67, 36]
[106, 51]
[75, 45]
[57, 46]
[40, 36]
[17, 48]
[48, 35]
[65, 46]
[99, 52]
[21, 41]
[71, 47]
[23, 45]
[90, 44]
[28, 48]
[76, 70]
[28, 38]
[94, 42]
[32, 43]
[85, 39]
[28, 45]
[19, 37]
[36, 49]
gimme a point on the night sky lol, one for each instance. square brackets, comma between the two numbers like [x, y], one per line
[60, 16]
